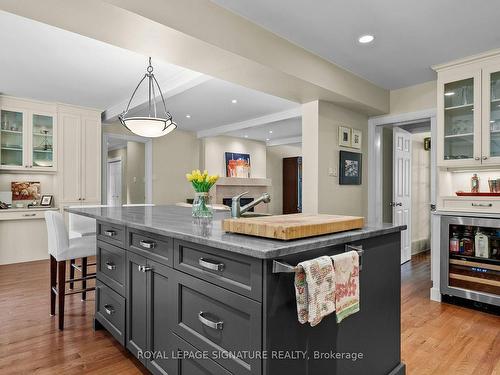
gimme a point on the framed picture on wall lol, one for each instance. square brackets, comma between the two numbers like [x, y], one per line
[356, 138]
[344, 136]
[237, 165]
[350, 168]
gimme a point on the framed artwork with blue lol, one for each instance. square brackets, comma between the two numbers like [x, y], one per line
[237, 165]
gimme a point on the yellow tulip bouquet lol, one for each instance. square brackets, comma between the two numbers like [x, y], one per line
[202, 183]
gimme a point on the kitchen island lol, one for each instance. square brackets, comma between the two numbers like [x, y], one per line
[187, 298]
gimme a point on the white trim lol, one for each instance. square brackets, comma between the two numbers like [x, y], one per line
[148, 167]
[466, 60]
[113, 160]
[258, 121]
[177, 84]
[284, 141]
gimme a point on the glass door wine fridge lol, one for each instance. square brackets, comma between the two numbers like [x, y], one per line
[470, 258]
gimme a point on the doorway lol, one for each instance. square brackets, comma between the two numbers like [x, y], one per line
[127, 169]
[114, 182]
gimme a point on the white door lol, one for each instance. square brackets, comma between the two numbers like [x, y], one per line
[401, 202]
[115, 183]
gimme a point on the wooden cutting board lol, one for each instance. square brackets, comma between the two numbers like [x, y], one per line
[289, 227]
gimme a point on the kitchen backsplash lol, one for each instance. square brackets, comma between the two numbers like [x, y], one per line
[462, 180]
[47, 184]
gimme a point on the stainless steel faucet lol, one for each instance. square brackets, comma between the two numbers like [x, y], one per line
[237, 210]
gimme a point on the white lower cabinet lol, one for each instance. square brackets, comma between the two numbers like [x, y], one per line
[80, 157]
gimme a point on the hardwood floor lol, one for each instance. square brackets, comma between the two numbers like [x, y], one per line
[436, 338]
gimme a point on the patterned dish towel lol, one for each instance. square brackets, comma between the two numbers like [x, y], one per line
[315, 289]
[346, 267]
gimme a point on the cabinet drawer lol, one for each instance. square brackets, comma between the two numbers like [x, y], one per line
[113, 234]
[185, 361]
[215, 319]
[154, 247]
[471, 204]
[11, 214]
[111, 266]
[110, 311]
[235, 272]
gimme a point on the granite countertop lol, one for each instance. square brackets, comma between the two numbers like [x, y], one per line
[176, 222]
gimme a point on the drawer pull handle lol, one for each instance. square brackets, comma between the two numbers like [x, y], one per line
[482, 204]
[144, 268]
[215, 325]
[109, 309]
[29, 215]
[205, 263]
[110, 233]
[110, 265]
[147, 244]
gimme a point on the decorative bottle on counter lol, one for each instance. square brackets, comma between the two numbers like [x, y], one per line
[482, 244]
[474, 184]
[454, 242]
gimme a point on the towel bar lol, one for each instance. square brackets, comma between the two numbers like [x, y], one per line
[281, 267]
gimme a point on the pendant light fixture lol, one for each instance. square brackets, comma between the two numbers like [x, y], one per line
[152, 125]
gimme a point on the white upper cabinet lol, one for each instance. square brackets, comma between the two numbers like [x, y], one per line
[80, 157]
[469, 112]
[28, 134]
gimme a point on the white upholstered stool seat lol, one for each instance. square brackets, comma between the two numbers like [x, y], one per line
[61, 249]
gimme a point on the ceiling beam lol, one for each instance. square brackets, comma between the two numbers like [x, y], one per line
[202, 36]
[254, 122]
[284, 141]
[177, 84]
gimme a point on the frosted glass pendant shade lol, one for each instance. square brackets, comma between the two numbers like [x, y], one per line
[149, 127]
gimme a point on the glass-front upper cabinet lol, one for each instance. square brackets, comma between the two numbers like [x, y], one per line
[491, 115]
[459, 132]
[11, 138]
[42, 136]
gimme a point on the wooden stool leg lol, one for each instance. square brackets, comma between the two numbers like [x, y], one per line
[71, 272]
[61, 283]
[84, 274]
[53, 283]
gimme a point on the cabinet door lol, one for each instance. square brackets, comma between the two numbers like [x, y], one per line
[43, 141]
[91, 159]
[69, 157]
[136, 331]
[459, 118]
[160, 306]
[491, 114]
[13, 139]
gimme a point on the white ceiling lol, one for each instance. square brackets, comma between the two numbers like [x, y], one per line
[210, 105]
[290, 128]
[410, 36]
[42, 62]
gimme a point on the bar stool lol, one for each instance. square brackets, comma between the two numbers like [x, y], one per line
[61, 249]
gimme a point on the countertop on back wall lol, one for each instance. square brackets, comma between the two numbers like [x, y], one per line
[176, 222]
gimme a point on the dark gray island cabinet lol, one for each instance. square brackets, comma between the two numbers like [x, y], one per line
[186, 300]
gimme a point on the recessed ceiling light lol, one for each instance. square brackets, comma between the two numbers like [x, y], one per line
[449, 93]
[364, 39]
[492, 121]
[246, 135]
[267, 139]
[270, 132]
[234, 101]
[188, 116]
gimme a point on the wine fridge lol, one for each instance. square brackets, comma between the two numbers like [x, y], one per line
[470, 258]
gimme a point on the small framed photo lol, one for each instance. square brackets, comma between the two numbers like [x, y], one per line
[350, 168]
[46, 201]
[356, 138]
[344, 136]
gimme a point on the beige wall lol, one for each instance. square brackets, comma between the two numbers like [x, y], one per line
[420, 194]
[136, 159]
[414, 98]
[173, 156]
[213, 149]
[322, 193]
[275, 155]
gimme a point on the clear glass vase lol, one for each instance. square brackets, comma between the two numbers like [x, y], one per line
[201, 206]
